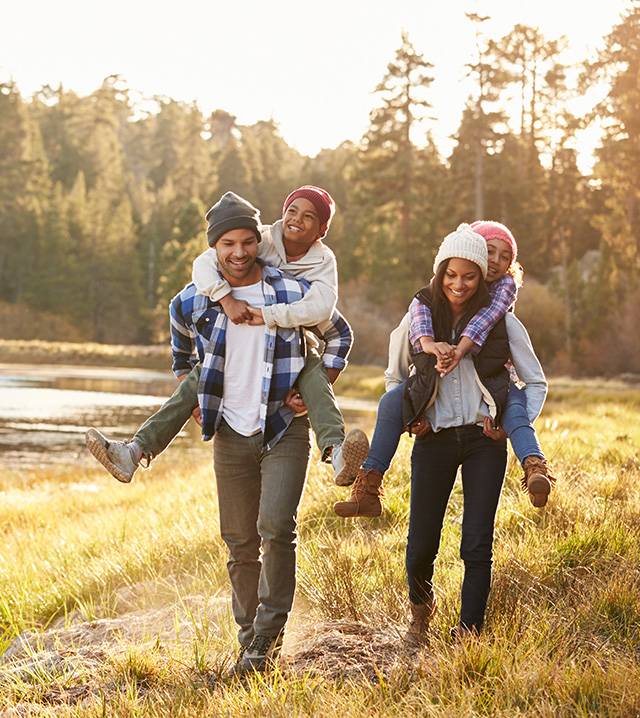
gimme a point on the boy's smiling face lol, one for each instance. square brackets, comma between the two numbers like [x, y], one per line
[301, 226]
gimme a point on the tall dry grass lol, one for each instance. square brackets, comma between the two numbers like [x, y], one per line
[563, 626]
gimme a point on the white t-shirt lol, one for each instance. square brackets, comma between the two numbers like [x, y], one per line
[244, 367]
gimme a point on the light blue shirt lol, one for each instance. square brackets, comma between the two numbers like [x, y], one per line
[459, 400]
[523, 357]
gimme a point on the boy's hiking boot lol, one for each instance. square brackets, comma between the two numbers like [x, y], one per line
[348, 457]
[365, 496]
[117, 457]
[261, 654]
[537, 480]
[418, 631]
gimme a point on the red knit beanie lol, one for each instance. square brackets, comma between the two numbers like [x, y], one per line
[320, 199]
[496, 230]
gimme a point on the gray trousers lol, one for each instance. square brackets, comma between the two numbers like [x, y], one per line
[258, 495]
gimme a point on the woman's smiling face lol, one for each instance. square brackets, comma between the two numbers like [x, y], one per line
[460, 282]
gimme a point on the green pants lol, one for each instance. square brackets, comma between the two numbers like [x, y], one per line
[326, 420]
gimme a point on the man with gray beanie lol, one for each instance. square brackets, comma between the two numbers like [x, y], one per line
[261, 448]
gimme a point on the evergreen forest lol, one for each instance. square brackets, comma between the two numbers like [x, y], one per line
[102, 197]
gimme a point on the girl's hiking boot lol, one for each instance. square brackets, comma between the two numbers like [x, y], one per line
[418, 631]
[365, 496]
[119, 458]
[347, 457]
[537, 480]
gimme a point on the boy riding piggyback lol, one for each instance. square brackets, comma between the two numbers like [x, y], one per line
[294, 245]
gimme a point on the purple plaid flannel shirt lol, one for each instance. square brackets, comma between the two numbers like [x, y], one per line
[503, 294]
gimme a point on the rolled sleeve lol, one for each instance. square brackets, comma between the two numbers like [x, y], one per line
[338, 338]
[182, 340]
[420, 323]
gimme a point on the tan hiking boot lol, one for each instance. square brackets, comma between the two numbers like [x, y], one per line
[537, 480]
[365, 496]
[418, 631]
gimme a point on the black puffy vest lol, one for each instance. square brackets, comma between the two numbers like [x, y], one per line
[489, 363]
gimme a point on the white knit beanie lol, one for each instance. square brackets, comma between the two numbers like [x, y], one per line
[464, 243]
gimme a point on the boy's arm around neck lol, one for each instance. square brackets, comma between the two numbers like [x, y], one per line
[206, 275]
[318, 303]
[207, 278]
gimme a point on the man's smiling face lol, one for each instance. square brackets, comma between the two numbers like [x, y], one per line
[237, 250]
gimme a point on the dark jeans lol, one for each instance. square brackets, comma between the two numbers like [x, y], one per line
[434, 464]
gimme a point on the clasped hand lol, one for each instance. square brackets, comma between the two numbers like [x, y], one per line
[295, 402]
[447, 357]
[239, 312]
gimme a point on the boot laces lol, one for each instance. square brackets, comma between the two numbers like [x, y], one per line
[261, 645]
[535, 463]
[361, 486]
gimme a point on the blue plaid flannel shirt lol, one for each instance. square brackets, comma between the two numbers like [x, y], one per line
[198, 330]
[503, 293]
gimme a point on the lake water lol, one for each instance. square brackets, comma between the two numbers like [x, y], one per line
[45, 410]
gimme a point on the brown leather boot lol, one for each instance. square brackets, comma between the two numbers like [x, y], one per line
[418, 631]
[537, 480]
[365, 496]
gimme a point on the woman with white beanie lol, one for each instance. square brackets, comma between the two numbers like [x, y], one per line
[452, 410]
[456, 407]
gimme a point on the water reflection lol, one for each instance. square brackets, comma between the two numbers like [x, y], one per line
[45, 410]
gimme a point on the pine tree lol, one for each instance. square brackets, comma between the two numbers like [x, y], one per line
[24, 189]
[393, 200]
[481, 120]
[618, 165]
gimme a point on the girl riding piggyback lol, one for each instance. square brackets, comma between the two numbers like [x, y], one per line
[504, 278]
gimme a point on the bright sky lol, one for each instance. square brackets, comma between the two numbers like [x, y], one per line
[310, 66]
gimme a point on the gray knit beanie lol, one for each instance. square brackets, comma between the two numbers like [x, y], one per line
[464, 243]
[231, 212]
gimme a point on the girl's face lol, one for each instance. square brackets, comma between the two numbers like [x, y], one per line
[499, 259]
[460, 282]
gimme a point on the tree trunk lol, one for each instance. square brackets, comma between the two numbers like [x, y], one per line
[479, 181]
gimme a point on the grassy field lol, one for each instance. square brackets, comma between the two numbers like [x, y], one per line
[120, 598]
